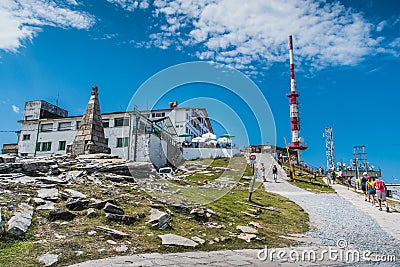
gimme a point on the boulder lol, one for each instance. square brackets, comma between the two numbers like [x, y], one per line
[176, 240]
[111, 208]
[39, 201]
[20, 222]
[61, 214]
[51, 180]
[159, 220]
[121, 218]
[48, 259]
[77, 204]
[48, 194]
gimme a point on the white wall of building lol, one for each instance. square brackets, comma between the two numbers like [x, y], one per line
[204, 153]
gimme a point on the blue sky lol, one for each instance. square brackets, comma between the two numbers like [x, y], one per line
[346, 62]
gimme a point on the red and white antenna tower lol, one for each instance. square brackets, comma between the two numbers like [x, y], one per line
[296, 144]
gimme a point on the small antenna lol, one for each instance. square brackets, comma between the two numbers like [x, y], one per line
[57, 99]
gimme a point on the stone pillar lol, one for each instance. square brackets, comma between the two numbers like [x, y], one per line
[90, 136]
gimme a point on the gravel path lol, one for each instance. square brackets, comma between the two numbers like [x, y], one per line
[333, 217]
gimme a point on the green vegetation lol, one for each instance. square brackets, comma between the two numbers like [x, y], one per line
[66, 239]
[317, 185]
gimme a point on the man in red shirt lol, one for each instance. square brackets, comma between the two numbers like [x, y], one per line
[381, 193]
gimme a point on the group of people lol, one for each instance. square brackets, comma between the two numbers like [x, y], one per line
[274, 173]
[372, 187]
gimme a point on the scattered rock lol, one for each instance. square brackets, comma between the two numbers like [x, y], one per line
[48, 259]
[122, 248]
[176, 240]
[112, 232]
[255, 224]
[72, 175]
[74, 194]
[20, 222]
[101, 204]
[91, 213]
[39, 201]
[77, 204]
[247, 229]
[92, 233]
[198, 240]
[111, 208]
[247, 237]
[78, 253]
[61, 214]
[48, 205]
[159, 220]
[111, 242]
[51, 180]
[202, 214]
[48, 194]
[121, 218]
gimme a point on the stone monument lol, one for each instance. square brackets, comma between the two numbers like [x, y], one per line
[90, 136]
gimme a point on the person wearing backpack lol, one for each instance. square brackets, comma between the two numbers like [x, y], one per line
[364, 181]
[371, 190]
[275, 173]
[380, 188]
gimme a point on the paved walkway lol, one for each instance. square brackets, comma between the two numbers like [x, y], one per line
[341, 216]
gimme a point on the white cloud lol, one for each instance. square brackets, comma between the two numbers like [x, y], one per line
[21, 20]
[240, 33]
[15, 109]
[381, 25]
[130, 5]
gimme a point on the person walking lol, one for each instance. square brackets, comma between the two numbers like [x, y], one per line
[371, 190]
[381, 190]
[364, 181]
[263, 172]
[275, 173]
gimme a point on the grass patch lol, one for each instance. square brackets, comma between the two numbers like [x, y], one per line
[317, 185]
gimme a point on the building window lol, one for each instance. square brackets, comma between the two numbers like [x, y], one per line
[24, 154]
[78, 123]
[61, 145]
[29, 117]
[106, 123]
[106, 141]
[47, 127]
[46, 146]
[26, 137]
[64, 126]
[118, 122]
[122, 142]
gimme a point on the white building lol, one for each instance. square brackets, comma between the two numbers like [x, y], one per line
[193, 121]
[48, 130]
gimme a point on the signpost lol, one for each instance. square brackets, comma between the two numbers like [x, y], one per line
[255, 174]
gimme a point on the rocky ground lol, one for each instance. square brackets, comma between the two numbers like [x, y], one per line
[61, 210]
